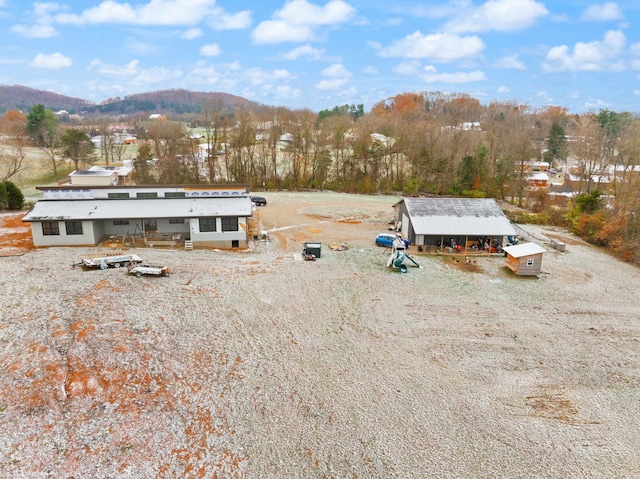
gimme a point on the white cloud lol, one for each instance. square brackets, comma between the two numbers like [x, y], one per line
[53, 61]
[157, 13]
[277, 31]
[35, 31]
[298, 19]
[226, 21]
[544, 98]
[442, 47]
[608, 11]
[127, 70]
[371, 70]
[210, 50]
[304, 51]
[504, 89]
[286, 92]
[259, 76]
[593, 56]
[232, 77]
[501, 15]
[511, 62]
[336, 70]
[407, 68]
[457, 77]
[134, 74]
[634, 49]
[595, 104]
[331, 84]
[338, 77]
[636, 92]
[191, 34]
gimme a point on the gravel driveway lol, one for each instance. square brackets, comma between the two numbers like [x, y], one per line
[255, 364]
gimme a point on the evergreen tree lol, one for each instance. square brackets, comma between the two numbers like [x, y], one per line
[10, 196]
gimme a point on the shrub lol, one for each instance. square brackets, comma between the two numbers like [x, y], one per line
[10, 196]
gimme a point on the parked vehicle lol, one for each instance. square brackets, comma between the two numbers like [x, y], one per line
[140, 269]
[385, 239]
[105, 262]
[259, 200]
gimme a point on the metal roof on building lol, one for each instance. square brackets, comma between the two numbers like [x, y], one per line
[103, 209]
[458, 217]
[92, 173]
[524, 249]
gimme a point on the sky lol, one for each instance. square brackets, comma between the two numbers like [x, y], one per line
[316, 54]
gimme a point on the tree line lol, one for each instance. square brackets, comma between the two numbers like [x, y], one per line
[427, 143]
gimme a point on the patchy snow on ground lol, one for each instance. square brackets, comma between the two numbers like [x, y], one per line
[255, 364]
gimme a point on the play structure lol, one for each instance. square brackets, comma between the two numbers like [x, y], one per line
[399, 256]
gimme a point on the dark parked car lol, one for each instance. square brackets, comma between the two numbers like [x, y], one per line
[259, 200]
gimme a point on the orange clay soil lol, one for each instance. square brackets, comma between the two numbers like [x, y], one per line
[15, 236]
[103, 373]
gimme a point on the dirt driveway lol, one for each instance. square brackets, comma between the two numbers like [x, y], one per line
[293, 218]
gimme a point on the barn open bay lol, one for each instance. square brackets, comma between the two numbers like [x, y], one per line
[253, 364]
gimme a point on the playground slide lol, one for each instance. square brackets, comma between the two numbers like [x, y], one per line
[410, 258]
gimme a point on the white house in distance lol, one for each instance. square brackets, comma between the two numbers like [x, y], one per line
[208, 215]
[94, 178]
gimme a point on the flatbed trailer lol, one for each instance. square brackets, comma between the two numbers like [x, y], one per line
[141, 269]
[105, 262]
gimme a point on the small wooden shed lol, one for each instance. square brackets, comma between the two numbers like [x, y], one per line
[524, 259]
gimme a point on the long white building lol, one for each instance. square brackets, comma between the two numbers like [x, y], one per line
[208, 215]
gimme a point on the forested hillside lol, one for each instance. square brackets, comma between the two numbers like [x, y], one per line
[175, 101]
[23, 98]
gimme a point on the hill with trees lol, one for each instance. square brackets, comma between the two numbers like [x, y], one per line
[17, 97]
[173, 101]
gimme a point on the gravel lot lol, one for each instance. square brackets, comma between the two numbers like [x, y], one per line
[255, 364]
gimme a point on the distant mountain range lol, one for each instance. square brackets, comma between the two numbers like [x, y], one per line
[175, 101]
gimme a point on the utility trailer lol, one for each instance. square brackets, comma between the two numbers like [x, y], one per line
[105, 262]
[140, 269]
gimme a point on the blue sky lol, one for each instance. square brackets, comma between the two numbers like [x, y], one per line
[316, 54]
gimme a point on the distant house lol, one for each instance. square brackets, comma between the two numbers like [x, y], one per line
[524, 259]
[561, 195]
[453, 224]
[382, 139]
[537, 166]
[123, 172]
[94, 177]
[538, 180]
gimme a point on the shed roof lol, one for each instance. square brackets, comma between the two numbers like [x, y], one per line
[524, 249]
[93, 173]
[103, 209]
[458, 217]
